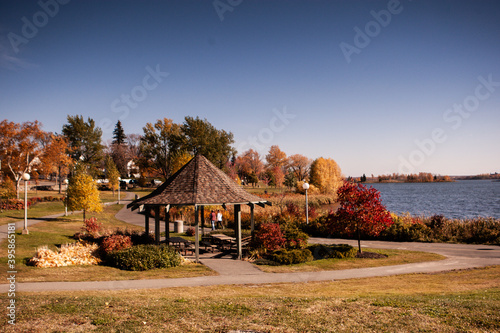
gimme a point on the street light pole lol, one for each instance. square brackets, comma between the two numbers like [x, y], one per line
[305, 186]
[26, 177]
[66, 199]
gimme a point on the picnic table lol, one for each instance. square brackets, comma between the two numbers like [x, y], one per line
[180, 244]
[222, 241]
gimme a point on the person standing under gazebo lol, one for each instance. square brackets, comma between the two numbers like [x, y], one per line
[219, 219]
[213, 218]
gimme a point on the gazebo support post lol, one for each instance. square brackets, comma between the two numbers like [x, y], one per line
[157, 225]
[202, 219]
[167, 222]
[146, 219]
[237, 222]
[252, 219]
[196, 235]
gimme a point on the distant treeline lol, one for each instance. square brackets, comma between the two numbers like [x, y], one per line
[422, 177]
[492, 176]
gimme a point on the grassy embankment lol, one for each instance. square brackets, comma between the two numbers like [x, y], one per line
[461, 301]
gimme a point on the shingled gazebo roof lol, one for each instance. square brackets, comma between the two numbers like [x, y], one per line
[198, 183]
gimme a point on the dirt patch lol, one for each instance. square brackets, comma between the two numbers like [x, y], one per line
[370, 255]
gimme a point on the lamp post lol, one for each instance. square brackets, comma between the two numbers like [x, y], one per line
[66, 199]
[26, 177]
[305, 186]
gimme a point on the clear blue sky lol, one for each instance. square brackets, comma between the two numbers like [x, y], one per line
[379, 86]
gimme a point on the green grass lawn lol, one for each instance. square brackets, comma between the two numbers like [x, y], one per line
[458, 301]
[394, 257]
[48, 208]
[59, 231]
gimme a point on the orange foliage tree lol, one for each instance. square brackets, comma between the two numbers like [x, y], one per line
[21, 146]
[55, 158]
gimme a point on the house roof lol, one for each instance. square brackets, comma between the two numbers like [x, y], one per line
[198, 183]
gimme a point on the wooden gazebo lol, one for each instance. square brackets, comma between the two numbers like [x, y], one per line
[199, 183]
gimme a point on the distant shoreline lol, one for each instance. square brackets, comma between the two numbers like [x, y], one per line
[407, 182]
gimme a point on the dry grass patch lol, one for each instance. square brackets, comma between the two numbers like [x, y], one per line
[446, 302]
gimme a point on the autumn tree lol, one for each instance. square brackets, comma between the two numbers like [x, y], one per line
[84, 139]
[133, 143]
[276, 158]
[121, 155]
[299, 166]
[250, 166]
[277, 163]
[112, 174]
[82, 193]
[180, 160]
[21, 146]
[325, 174]
[360, 213]
[200, 137]
[159, 146]
[55, 158]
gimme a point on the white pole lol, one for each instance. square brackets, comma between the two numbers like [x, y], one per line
[307, 210]
[25, 230]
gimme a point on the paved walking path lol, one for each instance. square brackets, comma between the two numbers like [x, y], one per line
[235, 272]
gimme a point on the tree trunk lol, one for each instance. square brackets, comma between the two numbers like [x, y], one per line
[60, 180]
[359, 239]
[84, 216]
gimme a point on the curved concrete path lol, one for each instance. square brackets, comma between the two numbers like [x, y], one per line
[234, 272]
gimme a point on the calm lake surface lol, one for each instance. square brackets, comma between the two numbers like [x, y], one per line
[460, 199]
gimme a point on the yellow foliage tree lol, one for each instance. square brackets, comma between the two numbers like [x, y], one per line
[83, 194]
[326, 175]
[179, 160]
[112, 174]
[300, 189]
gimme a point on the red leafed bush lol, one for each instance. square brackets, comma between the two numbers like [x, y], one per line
[361, 213]
[13, 204]
[270, 237]
[190, 232]
[18, 204]
[116, 242]
[92, 227]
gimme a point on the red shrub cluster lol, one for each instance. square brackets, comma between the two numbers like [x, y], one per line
[270, 237]
[13, 204]
[116, 242]
[18, 204]
[92, 227]
[190, 232]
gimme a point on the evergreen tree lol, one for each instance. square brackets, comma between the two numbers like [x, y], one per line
[119, 134]
[84, 139]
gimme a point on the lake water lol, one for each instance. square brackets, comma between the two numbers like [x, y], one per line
[460, 199]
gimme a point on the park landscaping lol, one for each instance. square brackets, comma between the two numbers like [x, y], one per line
[58, 231]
